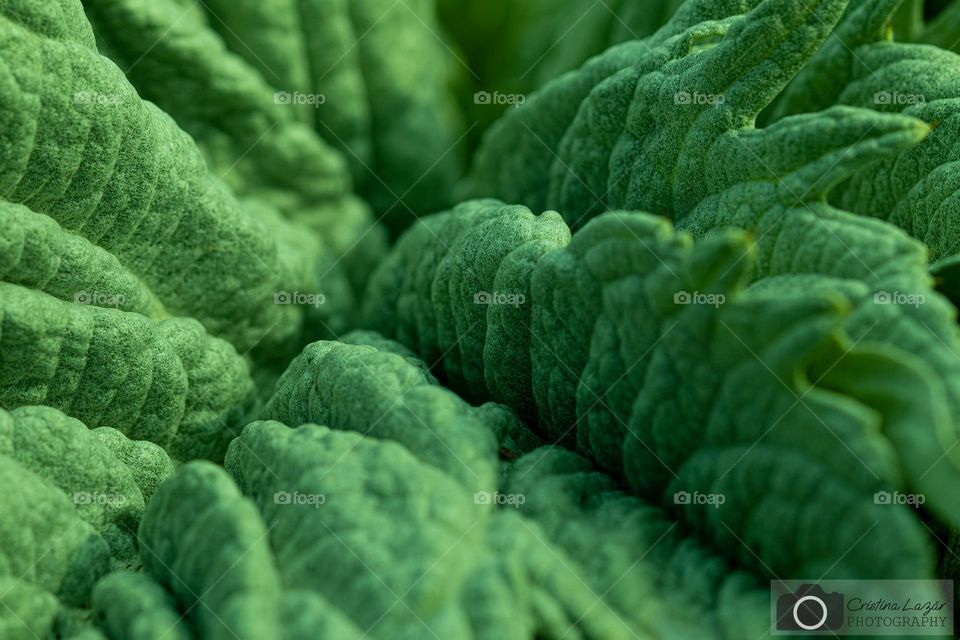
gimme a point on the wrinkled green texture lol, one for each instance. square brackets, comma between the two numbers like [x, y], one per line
[381, 394]
[71, 507]
[663, 582]
[255, 144]
[741, 287]
[132, 605]
[454, 566]
[670, 395]
[863, 67]
[167, 382]
[664, 124]
[383, 69]
[81, 146]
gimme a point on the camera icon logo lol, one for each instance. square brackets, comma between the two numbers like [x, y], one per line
[282, 497]
[682, 297]
[810, 608]
[482, 97]
[883, 97]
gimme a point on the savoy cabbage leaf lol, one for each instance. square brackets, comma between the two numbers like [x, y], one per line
[623, 365]
[373, 569]
[378, 393]
[634, 127]
[865, 65]
[690, 333]
[249, 137]
[537, 41]
[72, 502]
[130, 181]
[374, 76]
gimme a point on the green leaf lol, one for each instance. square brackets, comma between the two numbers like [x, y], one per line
[391, 113]
[249, 138]
[400, 547]
[207, 545]
[634, 128]
[26, 612]
[434, 293]
[80, 146]
[661, 577]
[133, 605]
[654, 357]
[383, 395]
[167, 382]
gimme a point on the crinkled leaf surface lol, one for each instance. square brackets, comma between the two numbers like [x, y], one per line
[378, 73]
[381, 394]
[403, 549]
[861, 66]
[71, 507]
[652, 356]
[633, 128]
[80, 146]
[252, 140]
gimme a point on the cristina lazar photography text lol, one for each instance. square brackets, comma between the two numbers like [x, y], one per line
[479, 319]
